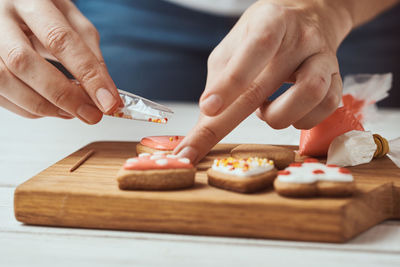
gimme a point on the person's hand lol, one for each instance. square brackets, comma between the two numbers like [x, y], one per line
[272, 43]
[32, 87]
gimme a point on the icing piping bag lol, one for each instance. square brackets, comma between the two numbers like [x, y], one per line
[358, 147]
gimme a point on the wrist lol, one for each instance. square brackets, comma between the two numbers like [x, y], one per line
[337, 18]
[349, 14]
[333, 18]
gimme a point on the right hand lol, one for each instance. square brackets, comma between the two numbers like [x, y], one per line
[32, 87]
[274, 41]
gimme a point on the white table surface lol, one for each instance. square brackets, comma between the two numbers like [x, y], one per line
[29, 146]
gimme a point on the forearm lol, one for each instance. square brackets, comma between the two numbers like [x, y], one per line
[362, 11]
[337, 17]
[345, 15]
[342, 16]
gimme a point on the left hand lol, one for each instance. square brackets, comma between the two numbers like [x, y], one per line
[272, 43]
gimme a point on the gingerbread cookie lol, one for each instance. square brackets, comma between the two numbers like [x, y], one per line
[311, 178]
[281, 156]
[151, 144]
[242, 175]
[158, 171]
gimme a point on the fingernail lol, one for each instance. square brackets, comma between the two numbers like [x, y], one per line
[64, 114]
[89, 113]
[190, 153]
[211, 105]
[106, 99]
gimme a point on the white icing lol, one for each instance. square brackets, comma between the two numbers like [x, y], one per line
[159, 152]
[159, 159]
[162, 162]
[352, 148]
[184, 160]
[132, 160]
[254, 167]
[304, 174]
[155, 157]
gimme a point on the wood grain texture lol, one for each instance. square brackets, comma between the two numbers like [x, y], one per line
[90, 198]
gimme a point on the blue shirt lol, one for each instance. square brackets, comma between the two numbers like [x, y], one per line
[160, 50]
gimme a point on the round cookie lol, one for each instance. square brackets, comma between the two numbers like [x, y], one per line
[311, 178]
[281, 156]
[158, 171]
[242, 175]
[152, 144]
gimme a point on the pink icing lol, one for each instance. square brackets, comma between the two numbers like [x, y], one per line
[166, 142]
[157, 162]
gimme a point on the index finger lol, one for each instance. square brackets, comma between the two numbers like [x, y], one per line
[210, 130]
[58, 37]
[247, 61]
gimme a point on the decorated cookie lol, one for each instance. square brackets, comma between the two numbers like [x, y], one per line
[242, 175]
[151, 144]
[157, 171]
[311, 178]
[281, 156]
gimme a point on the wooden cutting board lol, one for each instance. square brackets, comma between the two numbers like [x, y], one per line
[90, 198]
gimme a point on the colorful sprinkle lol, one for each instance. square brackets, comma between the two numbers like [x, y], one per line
[243, 164]
[164, 120]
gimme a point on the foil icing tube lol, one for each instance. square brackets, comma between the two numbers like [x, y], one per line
[138, 108]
